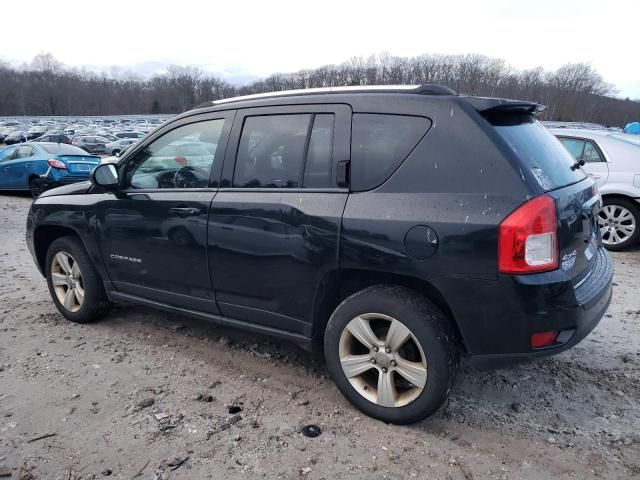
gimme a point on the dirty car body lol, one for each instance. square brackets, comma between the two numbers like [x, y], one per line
[278, 256]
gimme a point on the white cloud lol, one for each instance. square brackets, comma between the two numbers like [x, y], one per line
[261, 37]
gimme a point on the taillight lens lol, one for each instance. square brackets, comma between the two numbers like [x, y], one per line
[56, 164]
[528, 238]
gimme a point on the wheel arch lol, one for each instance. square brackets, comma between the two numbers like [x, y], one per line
[44, 236]
[336, 285]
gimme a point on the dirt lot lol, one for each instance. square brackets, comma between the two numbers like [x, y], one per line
[101, 391]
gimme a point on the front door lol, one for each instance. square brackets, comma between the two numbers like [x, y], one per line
[153, 231]
[274, 226]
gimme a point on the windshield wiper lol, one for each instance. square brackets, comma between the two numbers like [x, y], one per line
[577, 165]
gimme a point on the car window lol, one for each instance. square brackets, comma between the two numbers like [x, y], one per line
[591, 153]
[379, 144]
[181, 158]
[271, 151]
[24, 152]
[574, 146]
[6, 154]
[285, 151]
[318, 167]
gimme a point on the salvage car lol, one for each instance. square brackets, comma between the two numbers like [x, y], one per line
[612, 159]
[393, 229]
[36, 166]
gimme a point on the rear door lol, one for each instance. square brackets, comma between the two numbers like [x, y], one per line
[17, 170]
[6, 157]
[153, 231]
[275, 223]
[588, 150]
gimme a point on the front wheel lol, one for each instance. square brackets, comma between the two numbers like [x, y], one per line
[392, 353]
[74, 283]
[619, 221]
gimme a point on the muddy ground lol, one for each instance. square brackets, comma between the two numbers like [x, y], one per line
[144, 394]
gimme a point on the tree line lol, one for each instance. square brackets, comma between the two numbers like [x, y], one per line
[574, 92]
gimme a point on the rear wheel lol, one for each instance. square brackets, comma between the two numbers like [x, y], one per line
[36, 186]
[74, 283]
[619, 222]
[392, 353]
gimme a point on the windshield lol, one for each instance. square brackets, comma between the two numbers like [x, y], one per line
[540, 152]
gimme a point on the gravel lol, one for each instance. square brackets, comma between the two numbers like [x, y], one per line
[118, 396]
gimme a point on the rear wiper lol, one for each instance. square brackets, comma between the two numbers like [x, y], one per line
[577, 165]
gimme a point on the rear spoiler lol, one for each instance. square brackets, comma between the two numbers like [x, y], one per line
[486, 105]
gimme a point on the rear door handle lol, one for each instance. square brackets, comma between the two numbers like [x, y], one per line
[593, 175]
[184, 211]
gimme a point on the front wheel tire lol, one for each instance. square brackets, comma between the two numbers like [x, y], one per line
[74, 283]
[392, 353]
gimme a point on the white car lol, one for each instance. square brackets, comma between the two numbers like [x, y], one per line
[612, 159]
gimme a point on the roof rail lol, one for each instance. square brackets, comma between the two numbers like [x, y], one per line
[428, 89]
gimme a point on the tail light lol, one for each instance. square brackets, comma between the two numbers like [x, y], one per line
[544, 339]
[528, 238]
[56, 164]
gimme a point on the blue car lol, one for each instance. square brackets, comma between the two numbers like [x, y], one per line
[39, 166]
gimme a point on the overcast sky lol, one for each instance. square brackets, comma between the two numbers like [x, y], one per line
[262, 37]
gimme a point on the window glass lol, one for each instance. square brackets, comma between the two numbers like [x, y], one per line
[63, 149]
[539, 151]
[24, 152]
[6, 154]
[591, 153]
[574, 146]
[181, 158]
[271, 151]
[317, 172]
[379, 144]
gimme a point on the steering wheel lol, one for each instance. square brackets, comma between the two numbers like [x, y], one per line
[191, 177]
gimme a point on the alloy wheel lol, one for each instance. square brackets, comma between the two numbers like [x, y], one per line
[617, 224]
[383, 360]
[67, 281]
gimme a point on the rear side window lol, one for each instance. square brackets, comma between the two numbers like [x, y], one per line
[582, 149]
[63, 149]
[539, 151]
[285, 151]
[379, 144]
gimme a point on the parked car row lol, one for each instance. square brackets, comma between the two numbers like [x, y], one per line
[92, 136]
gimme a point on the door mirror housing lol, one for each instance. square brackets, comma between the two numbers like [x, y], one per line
[105, 176]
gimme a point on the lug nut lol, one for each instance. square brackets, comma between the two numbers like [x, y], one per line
[393, 363]
[375, 349]
[384, 370]
[388, 350]
[373, 360]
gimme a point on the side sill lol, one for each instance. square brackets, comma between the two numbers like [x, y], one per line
[299, 340]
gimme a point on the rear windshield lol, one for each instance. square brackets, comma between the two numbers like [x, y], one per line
[539, 151]
[63, 149]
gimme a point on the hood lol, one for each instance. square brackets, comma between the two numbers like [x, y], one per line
[72, 189]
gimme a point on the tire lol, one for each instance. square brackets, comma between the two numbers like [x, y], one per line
[36, 187]
[431, 342]
[89, 301]
[619, 222]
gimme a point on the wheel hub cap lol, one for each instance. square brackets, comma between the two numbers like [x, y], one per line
[617, 224]
[67, 281]
[383, 360]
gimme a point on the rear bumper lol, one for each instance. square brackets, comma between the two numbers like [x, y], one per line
[497, 318]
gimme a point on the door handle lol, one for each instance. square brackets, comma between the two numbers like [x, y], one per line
[184, 211]
[593, 175]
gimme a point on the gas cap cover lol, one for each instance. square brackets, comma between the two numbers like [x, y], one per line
[421, 242]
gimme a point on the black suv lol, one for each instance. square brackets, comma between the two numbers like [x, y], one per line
[392, 228]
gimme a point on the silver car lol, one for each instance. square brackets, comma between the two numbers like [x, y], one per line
[612, 159]
[116, 147]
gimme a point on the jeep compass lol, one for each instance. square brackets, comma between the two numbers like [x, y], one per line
[394, 229]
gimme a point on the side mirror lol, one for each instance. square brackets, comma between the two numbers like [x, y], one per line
[105, 176]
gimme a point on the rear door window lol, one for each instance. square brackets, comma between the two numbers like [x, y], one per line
[285, 151]
[380, 143]
[538, 150]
